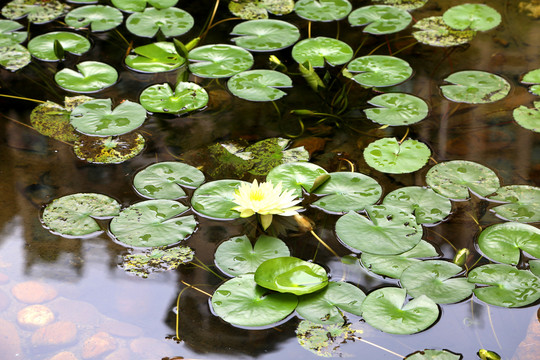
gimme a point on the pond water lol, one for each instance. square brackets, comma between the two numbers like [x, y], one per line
[84, 283]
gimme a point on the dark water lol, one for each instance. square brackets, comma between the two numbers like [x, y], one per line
[35, 170]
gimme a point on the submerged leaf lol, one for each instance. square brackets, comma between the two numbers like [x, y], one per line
[435, 32]
[325, 340]
[38, 12]
[156, 260]
[108, 150]
[259, 9]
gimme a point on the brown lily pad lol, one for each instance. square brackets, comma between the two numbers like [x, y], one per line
[109, 150]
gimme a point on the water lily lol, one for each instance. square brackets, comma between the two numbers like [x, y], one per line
[266, 200]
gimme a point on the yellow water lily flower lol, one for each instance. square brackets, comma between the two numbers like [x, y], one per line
[266, 200]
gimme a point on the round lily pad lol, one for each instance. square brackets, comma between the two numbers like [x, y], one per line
[259, 85]
[154, 58]
[109, 150]
[9, 34]
[320, 49]
[171, 21]
[42, 46]
[291, 275]
[454, 179]
[503, 242]
[347, 191]
[152, 223]
[397, 109]
[384, 309]
[96, 118]
[477, 17]
[432, 354]
[92, 76]
[241, 302]
[522, 203]
[97, 17]
[216, 199]
[14, 57]
[326, 340]
[388, 231]
[73, 215]
[295, 175]
[529, 118]
[162, 180]
[534, 266]
[187, 96]
[532, 78]
[475, 87]
[389, 156]
[156, 260]
[219, 60]
[322, 10]
[265, 35]
[437, 280]
[37, 12]
[140, 5]
[237, 256]
[380, 19]
[259, 9]
[506, 286]
[402, 4]
[433, 31]
[427, 206]
[323, 307]
[379, 70]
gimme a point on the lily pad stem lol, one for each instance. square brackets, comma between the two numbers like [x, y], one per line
[405, 48]
[404, 136]
[309, 29]
[277, 109]
[189, 286]
[349, 162]
[205, 267]
[178, 313]
[23, 98]
[208, 24]
[445, 239]
[379, 347]
[324, 244]
[302, 128]
[30, 127]
[492, 328]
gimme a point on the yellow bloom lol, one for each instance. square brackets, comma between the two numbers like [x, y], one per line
[265, 200]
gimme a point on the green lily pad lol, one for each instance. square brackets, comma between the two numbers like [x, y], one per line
[171, 21]
[295, 175]
[393, 265]
[291, 275]
[237, 256]
[388, 231]
[384, 309]
[325, 340]
[9, 35]
[96, 118]
[380, 19]
[156, 260]
[379, 70]
[154, 58]
[152, 223]
[454, 179]
[325, 306]
[529, 118]
[397, 109]
[389, 156]
[187, 96]
[475, 87]
[140, 5]
[320, 49]
[93, 76]
[532, 78]
[97, 17]
[219, 60]
[42, 46]
[347, 191]
[216, 199]
[506, 286]
[402, 4]
[38, 12]
[322, 10]
[437, 280]
[433, 31]
[14, 57]
[241, 302]
[432, 354]
[427, 206]
[265, 35]
[109, 150]
[477, 17]
[534, 266]
[73, 215]
[163, 180]
[523, 203]
[503, 242]
[259, 85]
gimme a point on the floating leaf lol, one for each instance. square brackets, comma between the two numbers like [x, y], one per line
[73, 215]
[532, 78]
[42, 46]
[108, 150]
[216, 199]
[154, 58]
[269, 153]
[320, 49]
[477, 17]
[163, 179]
[259, 85]
[187, 96]
[379, 70]
[454, 179]
[435, 32]
[38, 12]
[255, 9]
[397, 109]
[92, 76]
[523, 203]
[97, 17]
[265, 35]
[430, 354]
[380, 19]
[475, 87]
[402, 4]
[9, 34]
[527, 117]
[295, 175]
[427, 206]
[322, 10]
[534, 266]
[219, 60]
[171, 22]
[14, 57]
[156, 260]
[389, 156]
[152, 223]
[325, 340]
[140, 5]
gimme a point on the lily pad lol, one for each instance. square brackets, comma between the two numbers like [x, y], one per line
[454, 179]
[379, 70]
[325, 340]
[156, 260]
[140, 5]
[532, 78]
[397, 109]
[389, 156]
[432, 354]
[241, 302]
[427, 206]
[237, 256]
[475, 87]
[154, 58]
[325, 306]
[171, 21]
[322, 10]
[219, 60]
[291, 275]
[108, 150]
[38, 12]
[503, 242]
[347, 191]
[534, 266]
[388, 231]
[152, 223]
[522, 203]
[73, 215]
[265, 35]
[187, 96]
[216, 199]
[477, 17]
[295, 175]
[42, 46]
[380, 19]
[97, 17]
[506, 286]
[163, 180]
[529, 118]
[14, 57]
[259, 9]
[9, 35]
[93, 76]
[384, 309]
[259, 85]
[96, 118]
[433, 31]
[320, 49]
[402, 4]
